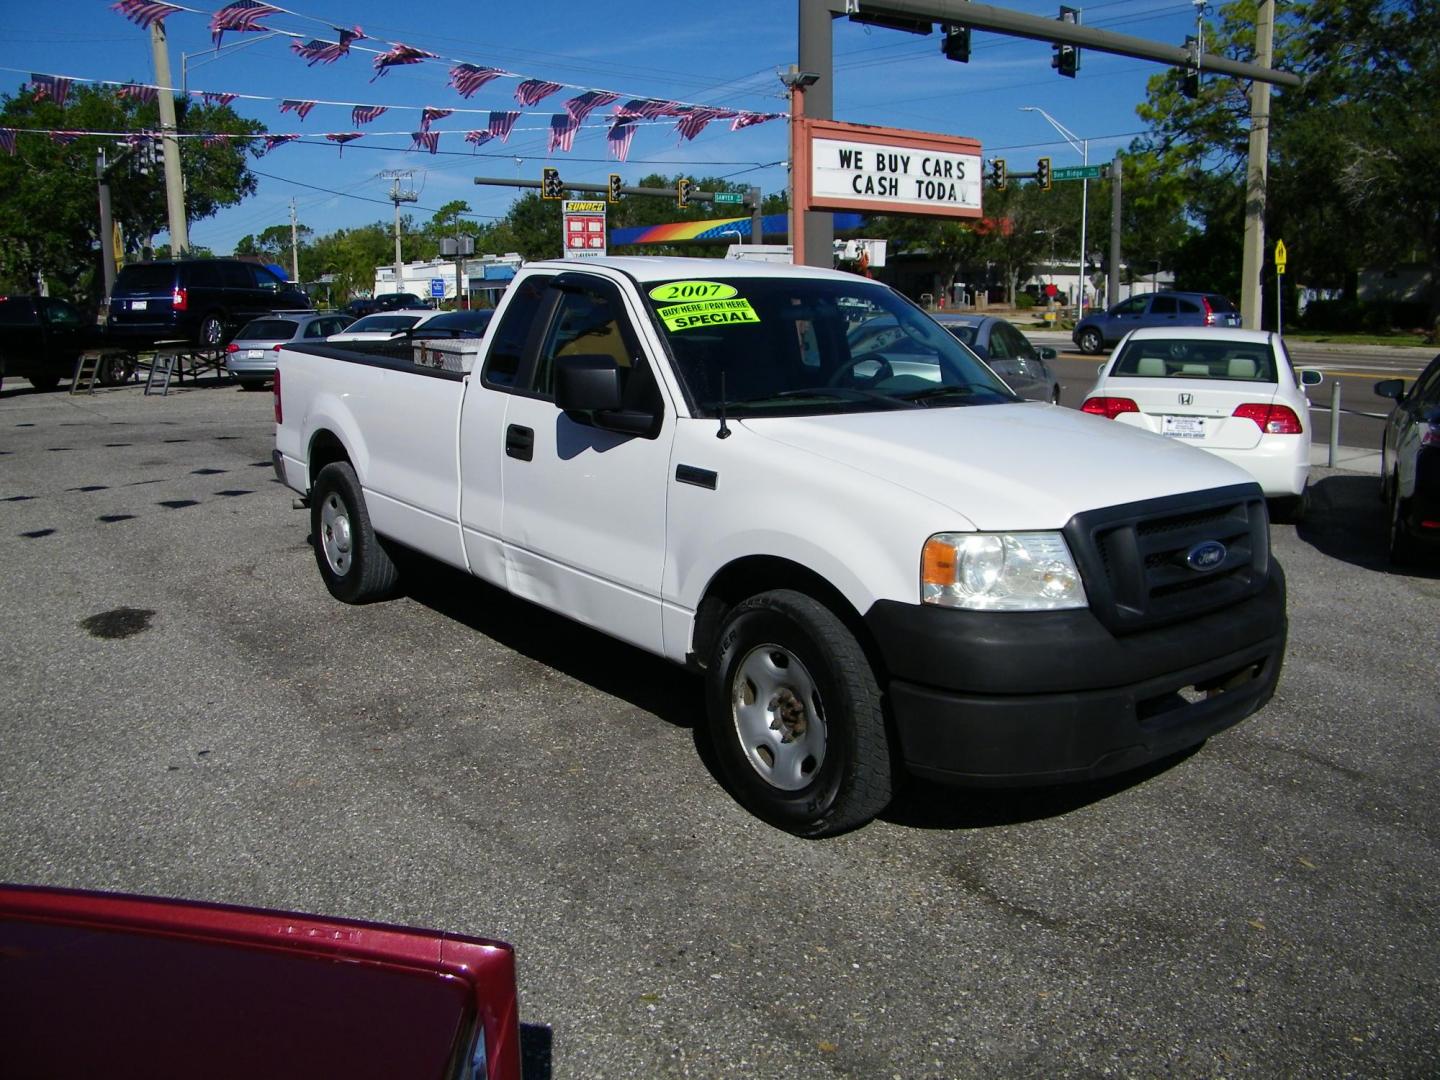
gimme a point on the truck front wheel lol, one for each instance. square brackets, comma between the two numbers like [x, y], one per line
[354, 564]
[796, 716]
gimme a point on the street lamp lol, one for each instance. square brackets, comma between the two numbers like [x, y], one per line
[213, 54]
[1082, 146]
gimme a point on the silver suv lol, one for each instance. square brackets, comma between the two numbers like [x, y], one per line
[1104, 329]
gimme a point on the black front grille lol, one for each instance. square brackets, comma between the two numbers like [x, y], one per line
[1134, 557]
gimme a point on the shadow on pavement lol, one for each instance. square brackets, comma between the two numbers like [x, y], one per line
[1347, 521]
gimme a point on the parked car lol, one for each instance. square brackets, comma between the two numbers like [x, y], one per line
[1008, 352]
[383, 326]
[882, 350]
[41, 337]
[1410, 463]
[455, 324]
[368, 305]
[114, 985]
[1233, 393]
[203, 301]
[1101, 330]
[251, 356]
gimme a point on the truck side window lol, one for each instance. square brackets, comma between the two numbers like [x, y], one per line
[507, 345]
[588, 320]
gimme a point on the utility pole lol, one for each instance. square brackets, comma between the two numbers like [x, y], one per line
[1252, 260]
[107, 225]
[174, 178]
[398, 196]
[294, 246]
[1112, 283]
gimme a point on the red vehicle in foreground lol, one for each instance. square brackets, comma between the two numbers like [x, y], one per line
[95, 984]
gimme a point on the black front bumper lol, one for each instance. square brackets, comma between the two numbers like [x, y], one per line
[1032, 698]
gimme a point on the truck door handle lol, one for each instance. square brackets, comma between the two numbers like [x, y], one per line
[520, 442]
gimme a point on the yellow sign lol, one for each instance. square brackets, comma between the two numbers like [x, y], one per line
[692, 290]
[707, 313]
[1280, 256]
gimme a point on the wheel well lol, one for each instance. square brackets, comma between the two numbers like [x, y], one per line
[747, 577]
[325, 448]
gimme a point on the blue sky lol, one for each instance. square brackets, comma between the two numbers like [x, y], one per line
[725, 54]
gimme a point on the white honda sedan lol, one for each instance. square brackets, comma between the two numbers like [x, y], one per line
[1233, 393]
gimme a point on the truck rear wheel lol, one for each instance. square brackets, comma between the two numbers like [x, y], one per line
[354, 564]
[796, 716]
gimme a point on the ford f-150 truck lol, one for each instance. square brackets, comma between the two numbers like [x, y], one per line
[881, 562]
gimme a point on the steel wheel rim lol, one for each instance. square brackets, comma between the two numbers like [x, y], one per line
[335, 536]
[779, 717]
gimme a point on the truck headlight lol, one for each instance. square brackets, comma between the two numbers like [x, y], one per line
[1000, 572]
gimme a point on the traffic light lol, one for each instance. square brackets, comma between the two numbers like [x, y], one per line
[1042, 173]
[956, 42]
[1067, 57]
[1191, 84]
[682, 191]
[613, 195]
[997, 173]
[550, 186]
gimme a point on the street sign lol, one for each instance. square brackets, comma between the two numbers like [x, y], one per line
[437, 288]
[729, 196]
[583, 224]
[1280, 256]
[1076, 172]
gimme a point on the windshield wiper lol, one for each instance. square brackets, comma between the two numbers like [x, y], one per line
[965, 390]
[833, 393]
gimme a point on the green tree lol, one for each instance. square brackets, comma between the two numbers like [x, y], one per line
[48, 212]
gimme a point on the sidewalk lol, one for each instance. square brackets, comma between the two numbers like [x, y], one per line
[1348, 458]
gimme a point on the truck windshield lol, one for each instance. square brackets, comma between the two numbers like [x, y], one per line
[789, 345]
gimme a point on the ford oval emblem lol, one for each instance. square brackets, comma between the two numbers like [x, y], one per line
[1206, 555]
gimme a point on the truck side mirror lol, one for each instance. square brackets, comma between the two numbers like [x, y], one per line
[590, 390]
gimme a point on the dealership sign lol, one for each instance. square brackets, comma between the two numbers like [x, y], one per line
[888, 170]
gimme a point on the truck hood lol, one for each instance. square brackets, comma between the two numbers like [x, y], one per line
[1005, 467]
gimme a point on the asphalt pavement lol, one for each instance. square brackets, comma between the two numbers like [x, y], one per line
[188, 713]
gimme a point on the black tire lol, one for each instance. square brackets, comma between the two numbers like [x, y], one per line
[45, 381]
[1290, 509]
[212, 331]
[354, 564]
[1400, 545]
[826, 768]
[116, 369]
[1090, 341]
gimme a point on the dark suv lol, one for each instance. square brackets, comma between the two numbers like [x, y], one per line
[41, 337]
[369, 305]
[1104, 329]
[199, 300]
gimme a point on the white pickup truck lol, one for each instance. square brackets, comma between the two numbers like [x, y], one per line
[880, 558]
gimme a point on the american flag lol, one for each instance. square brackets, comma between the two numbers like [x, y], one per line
[64, 138]
[430, 114]
[138, 92]
[220, 98]
[299, 108]
[693, 121]
[502, 123]
[562, 132]
[532, 91]
[144, 12]
[319, 51]
[272, 141]
[240, 15]
[647, 108]
[7, 140]
[399, 54]
[479, 138]
[51, 87]
[216, 138]
[467, 78]
[425, 140]
[342, 137]
[619, 137]
[750, 119]
[584, 104]
[364, 114]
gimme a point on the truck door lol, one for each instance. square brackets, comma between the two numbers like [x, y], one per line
[583, 510]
